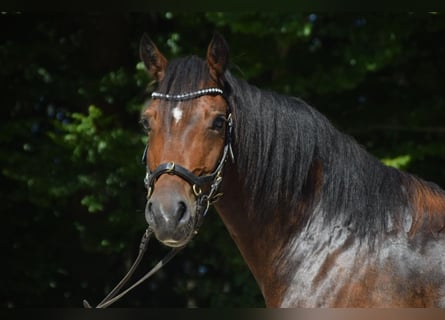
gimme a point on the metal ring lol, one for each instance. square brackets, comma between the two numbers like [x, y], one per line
[147, 179]
[149, 192]
[196, 190]
[170, 167]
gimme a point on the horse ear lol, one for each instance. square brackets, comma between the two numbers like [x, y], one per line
[217, 55]
[153, 59]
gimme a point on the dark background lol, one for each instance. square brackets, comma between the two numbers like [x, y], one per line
[72, 194]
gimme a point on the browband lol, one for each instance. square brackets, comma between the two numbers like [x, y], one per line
[186, 96]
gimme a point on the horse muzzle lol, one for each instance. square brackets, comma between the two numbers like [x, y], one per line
[170, 212]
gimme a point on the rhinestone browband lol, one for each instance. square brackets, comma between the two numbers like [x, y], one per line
[186, 96]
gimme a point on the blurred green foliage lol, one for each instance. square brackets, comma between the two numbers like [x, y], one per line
[71, 176]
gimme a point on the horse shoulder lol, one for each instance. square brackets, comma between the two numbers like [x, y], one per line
[338, 270]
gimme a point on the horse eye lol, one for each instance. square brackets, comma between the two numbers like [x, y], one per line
[218, 123]
[145, 124]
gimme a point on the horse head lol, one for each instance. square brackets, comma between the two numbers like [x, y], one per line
[188, 121]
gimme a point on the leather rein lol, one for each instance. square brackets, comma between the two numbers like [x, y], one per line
[203, 200]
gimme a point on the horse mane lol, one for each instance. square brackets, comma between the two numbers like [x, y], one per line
[288, 155]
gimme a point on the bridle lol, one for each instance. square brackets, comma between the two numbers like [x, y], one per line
[197, 183]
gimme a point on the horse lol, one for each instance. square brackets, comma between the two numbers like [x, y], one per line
[319, 221]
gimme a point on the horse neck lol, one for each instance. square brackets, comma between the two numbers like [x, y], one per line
[260, 244]
[264, 247]
[343, 186]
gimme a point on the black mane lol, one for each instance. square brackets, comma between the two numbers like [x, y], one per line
[280, 141]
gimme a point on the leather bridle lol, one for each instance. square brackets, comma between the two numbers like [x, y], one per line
[197, 183]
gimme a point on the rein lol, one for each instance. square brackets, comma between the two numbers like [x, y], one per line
[114, 294]
[197, 182]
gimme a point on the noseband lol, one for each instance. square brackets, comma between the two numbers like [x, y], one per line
[197, 183]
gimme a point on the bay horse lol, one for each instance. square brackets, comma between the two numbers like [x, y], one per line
[319, 221]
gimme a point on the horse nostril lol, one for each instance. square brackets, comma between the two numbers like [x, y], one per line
[149, 214]
[168, 213]
[181, 211]
[150, 206]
